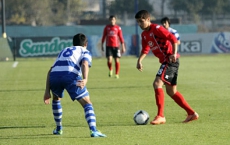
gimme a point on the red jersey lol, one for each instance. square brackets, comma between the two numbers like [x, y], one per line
[112, 33]
[159, 41]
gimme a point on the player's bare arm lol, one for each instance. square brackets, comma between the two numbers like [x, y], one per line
[139, 62]
[47, 95]
[173, 57]
[123, 48]
[178, 42]
[102, 47]
[85, 71]
[103, 39]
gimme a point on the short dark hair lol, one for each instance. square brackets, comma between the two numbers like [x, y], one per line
[143, 14]
[165, 19]
[112, 16]
[80, 40]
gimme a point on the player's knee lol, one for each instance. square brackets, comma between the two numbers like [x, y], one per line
[84, 101]
[170, 92]
[157, 84]
[116, 59]
[56, 98]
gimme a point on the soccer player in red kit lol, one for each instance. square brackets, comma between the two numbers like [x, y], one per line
[113, 35]
[163, 45]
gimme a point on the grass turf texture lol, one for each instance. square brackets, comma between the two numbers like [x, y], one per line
[203, 80]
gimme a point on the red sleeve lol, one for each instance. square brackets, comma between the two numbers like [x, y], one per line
[145, 47]
[163, 33]
[120, 35]
[104, 35]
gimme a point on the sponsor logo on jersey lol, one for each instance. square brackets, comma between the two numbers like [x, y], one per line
[154, 48]
[150, 43]
[111, 33]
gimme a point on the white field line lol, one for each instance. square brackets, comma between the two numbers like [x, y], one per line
[15, 64]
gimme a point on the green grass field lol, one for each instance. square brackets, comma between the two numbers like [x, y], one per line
[203, 80]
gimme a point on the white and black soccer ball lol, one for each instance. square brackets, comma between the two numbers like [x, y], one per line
[141, 117]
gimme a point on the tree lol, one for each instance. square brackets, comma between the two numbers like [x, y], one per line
[15, 13]
[43, 12]
[67, 11]
[214, 7]
[177, 6]
[162, 8]
[38, 12]
[119, 7]
[191, 7]
[226, 7]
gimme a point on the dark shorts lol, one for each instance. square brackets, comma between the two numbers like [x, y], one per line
[113, 51]
[68, 82]
[168, 72]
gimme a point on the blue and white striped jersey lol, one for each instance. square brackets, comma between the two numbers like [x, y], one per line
[69, 61]
[174, 32]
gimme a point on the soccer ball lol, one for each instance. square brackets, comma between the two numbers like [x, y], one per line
[141, 117]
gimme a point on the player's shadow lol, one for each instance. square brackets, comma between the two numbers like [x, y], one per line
[33, 135]
[40, 136]
[119, 87]
[16, 127]
[101, 88]
[29, 90]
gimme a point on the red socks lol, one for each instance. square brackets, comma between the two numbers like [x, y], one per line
[159, 95]
[117, 67]
[179, 99]
[109, 64]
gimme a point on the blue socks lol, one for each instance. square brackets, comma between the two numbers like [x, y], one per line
[57, 112]
[90, 117]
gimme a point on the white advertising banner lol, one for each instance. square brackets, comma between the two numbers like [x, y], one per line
[205, 43]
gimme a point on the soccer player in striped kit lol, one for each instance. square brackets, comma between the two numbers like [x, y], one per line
[166, 23]
[70, 72]
[113, 35]
[163, 45]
